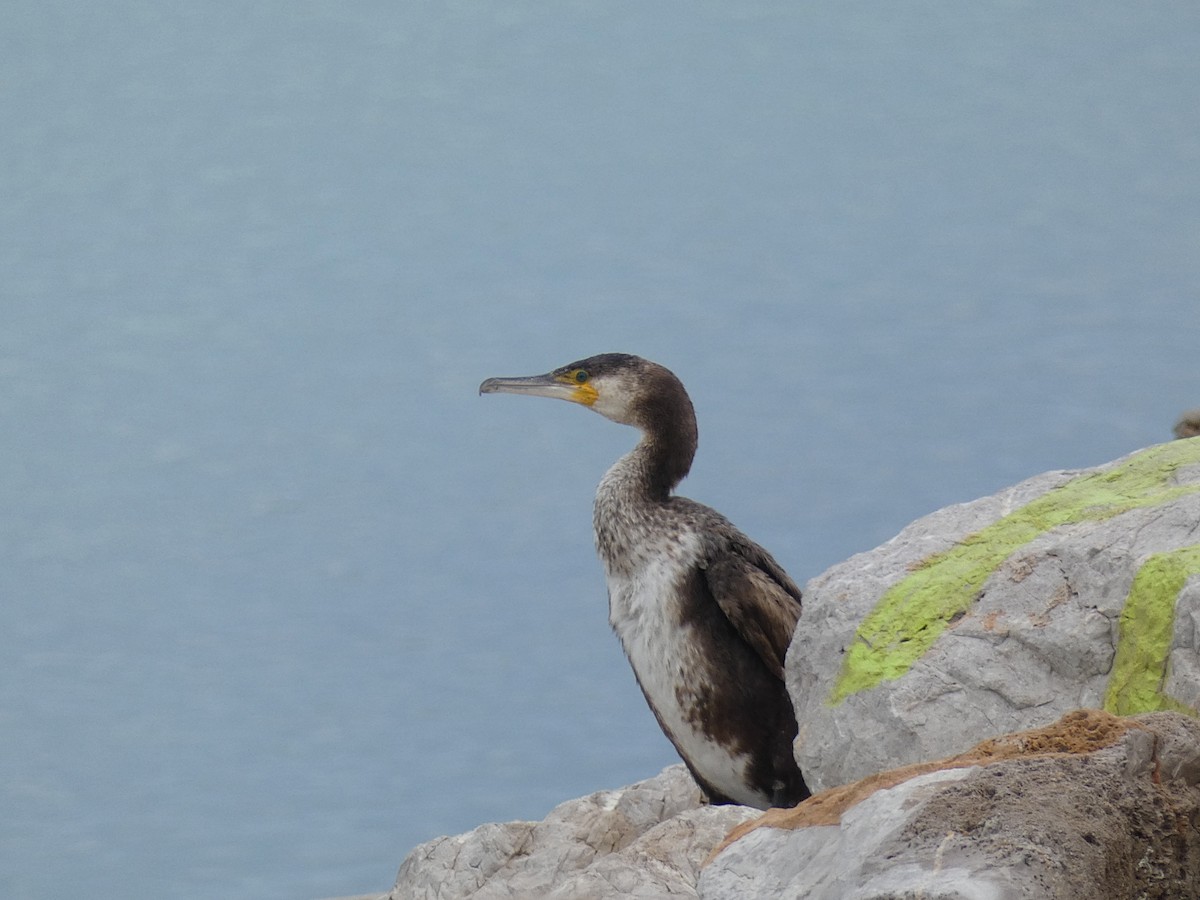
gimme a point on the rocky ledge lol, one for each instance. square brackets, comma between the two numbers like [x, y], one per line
[1093, 806]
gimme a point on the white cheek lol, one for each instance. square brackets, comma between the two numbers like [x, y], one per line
[613, 402]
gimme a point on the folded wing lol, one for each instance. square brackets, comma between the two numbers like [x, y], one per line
[757, 596]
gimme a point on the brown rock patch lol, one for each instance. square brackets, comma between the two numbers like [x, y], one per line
[1080, 732]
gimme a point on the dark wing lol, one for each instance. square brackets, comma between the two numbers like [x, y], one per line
[756, 595]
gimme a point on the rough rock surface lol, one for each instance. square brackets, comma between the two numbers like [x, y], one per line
[647, 840]
[1092, 808]
[1072, 589]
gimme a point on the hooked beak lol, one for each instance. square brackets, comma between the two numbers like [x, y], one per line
[557, 387]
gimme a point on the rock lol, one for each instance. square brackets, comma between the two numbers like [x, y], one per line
[1072, 589]
[1092, 808]
[647, 840]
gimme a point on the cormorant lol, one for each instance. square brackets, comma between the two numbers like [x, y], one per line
[704, 614]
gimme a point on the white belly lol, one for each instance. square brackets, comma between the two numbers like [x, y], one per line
[643, 615]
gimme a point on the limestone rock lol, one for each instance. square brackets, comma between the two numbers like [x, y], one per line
[1072, 589]
[647, 840]
[1093, 808]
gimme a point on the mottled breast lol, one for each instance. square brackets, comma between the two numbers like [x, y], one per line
[646, 612]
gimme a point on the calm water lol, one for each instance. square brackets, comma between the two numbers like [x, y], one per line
[280, 596]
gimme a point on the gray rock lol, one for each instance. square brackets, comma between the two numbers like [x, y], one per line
[646, 840]
[1045, 823]
[1003, 614]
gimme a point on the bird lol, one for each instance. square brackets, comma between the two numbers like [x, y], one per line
[1188, 424]
[704, 614]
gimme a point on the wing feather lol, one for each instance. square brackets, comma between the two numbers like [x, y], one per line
[756, 595]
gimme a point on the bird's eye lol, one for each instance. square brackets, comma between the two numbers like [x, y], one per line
[581, 376]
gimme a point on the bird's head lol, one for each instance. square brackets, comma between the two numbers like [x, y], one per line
[625, 388]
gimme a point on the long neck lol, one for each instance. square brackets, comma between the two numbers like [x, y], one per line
[628, 501]
[629, 508]
[662, 457]
[665, 456]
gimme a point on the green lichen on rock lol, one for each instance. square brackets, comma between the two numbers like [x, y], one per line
[1144, 635]
[913, 613]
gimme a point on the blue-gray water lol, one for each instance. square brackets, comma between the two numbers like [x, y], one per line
[280, 596]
